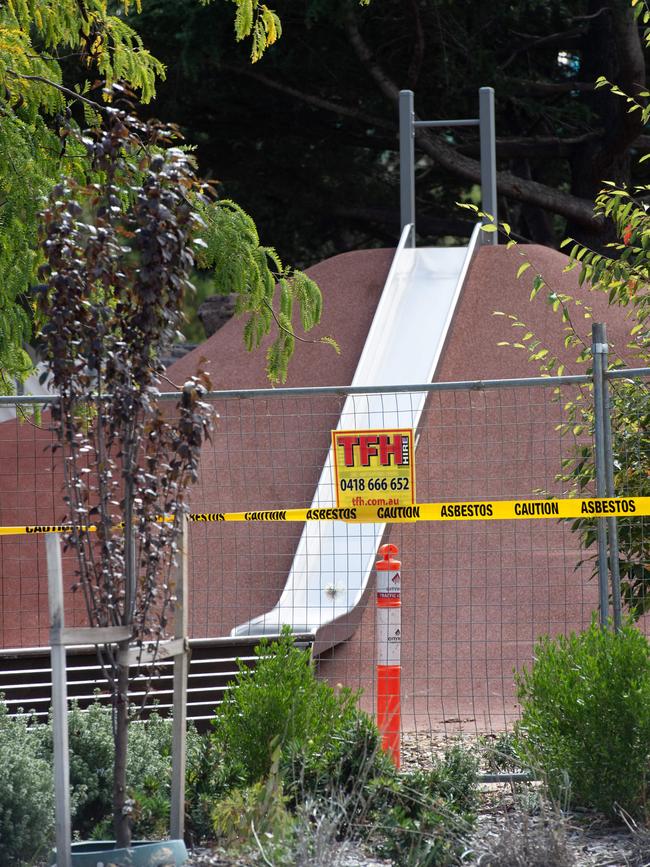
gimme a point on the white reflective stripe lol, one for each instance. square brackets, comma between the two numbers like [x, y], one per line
[388, 581]
[389, 636]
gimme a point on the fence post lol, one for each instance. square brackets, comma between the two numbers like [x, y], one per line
[488, 160]
[612, 523]
[389, 639]
[59, 702]
[407, 162]
[598, 348]
[179, 702]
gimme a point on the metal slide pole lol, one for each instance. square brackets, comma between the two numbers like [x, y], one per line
[407, 162]
[488, 160]
[59, 702]
[598, 347]
[612, 524]
[181, 667]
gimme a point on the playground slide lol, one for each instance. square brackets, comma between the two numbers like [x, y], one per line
[334, 560]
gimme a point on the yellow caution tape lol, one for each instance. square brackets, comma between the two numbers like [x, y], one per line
[488, 510]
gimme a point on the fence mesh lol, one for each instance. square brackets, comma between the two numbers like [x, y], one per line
[475, 594]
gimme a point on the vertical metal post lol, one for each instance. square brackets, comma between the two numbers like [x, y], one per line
[407, 162]
[612, 524]
[488, 160]
[388, 630]
[59, 702]
[181, 666]
[598, 347]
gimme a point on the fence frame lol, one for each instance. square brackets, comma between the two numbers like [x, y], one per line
[599, 380]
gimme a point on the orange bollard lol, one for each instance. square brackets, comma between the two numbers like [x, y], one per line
[389, 638]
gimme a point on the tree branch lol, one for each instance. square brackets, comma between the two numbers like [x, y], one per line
[533, 147]
[563, 37]
[630, 78]
[65, 90]
[578, 210]
[310, 99]
[591, 16]
[552, 87]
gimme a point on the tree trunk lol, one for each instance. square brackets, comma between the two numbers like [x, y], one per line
[121, 812]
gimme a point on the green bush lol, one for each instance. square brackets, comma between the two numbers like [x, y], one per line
[26, 791]
[586, 717]
[499, 753]
[260, 808]
[332, 766]
[341, 767]
[281, 698]
[26, 796]
[149, 765]
[423, 818]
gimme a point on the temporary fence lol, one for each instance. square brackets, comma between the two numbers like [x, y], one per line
[475, 594]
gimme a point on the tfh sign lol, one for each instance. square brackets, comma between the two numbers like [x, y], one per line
[374, 467]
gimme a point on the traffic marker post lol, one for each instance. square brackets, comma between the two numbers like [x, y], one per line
[389, 639]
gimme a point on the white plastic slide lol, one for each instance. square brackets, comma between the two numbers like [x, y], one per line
[334, 560]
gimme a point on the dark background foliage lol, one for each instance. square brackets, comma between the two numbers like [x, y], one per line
[306, 139]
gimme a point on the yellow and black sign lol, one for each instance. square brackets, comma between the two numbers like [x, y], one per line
[487, 510]
[374, 468]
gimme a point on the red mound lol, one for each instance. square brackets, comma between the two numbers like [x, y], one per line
[475, 594]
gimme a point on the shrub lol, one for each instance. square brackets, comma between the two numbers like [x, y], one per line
[259, 809]
[586, 717]
[26, 792]
[422, 818]
[26, 796]
[209, 778]
[149, 761]
[341, 768]
[499, 753]
[336, 779]
[281, 698]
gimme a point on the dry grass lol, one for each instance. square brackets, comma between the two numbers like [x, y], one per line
[528, 840]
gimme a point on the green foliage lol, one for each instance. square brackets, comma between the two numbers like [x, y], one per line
[148, 771]
[26, 793]
[294, 744]
[415, 835]
[27, 170]
[623, 277]
[259, 809]
[255, 19]
[34, 147]
[210, 777]
[423, 817]
[341, 767]
[230, 248]
[38, 132]
[586, 717]
[281, 698]
[90, 736]
[26, 797]
[500, 753]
